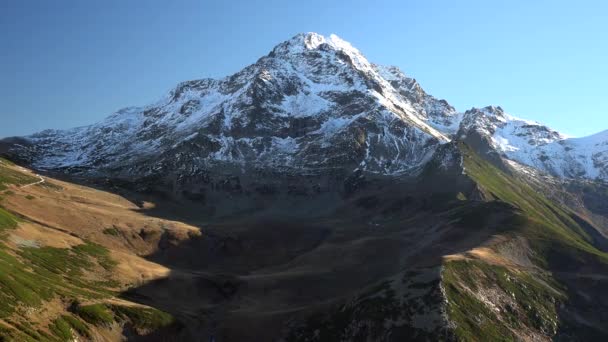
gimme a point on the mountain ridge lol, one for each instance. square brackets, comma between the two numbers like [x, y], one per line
[309, 93]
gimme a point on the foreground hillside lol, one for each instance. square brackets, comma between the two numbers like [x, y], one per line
[487, 258]
[66, 252]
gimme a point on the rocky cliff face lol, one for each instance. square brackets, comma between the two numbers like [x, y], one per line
[314, 105]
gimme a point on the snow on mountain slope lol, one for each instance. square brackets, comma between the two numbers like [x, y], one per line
[437, 113]
[575, 158]
[313, 102]
[538, 146]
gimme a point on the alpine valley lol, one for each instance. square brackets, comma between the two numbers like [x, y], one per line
[312, 196]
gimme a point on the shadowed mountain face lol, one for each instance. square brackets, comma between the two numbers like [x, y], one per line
[333, 199]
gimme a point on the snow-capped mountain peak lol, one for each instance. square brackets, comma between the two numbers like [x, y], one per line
[314, 41]
[313, 103]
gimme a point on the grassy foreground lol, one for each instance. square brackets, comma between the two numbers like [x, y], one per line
[40, 280]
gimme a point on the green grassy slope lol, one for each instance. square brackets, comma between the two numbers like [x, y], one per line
[9, 175]
[524, 301]
[31, 277]
[547, 224]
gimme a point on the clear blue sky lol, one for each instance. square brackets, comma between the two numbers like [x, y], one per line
[70, 63]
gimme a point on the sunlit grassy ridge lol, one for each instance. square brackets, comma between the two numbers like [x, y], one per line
[34, 276]
[143, 318]
[7, 220]
[10, 176]
[65, 326]
[529, 302]
[530, 297]
[542, 220]
[31, 277]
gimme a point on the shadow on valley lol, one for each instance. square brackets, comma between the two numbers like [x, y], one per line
[269, 272]
[293, 263]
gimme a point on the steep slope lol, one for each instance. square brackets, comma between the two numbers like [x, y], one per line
[539, 278]
[66, 252]
[392, 261]
[535, 275]
[241, 269]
